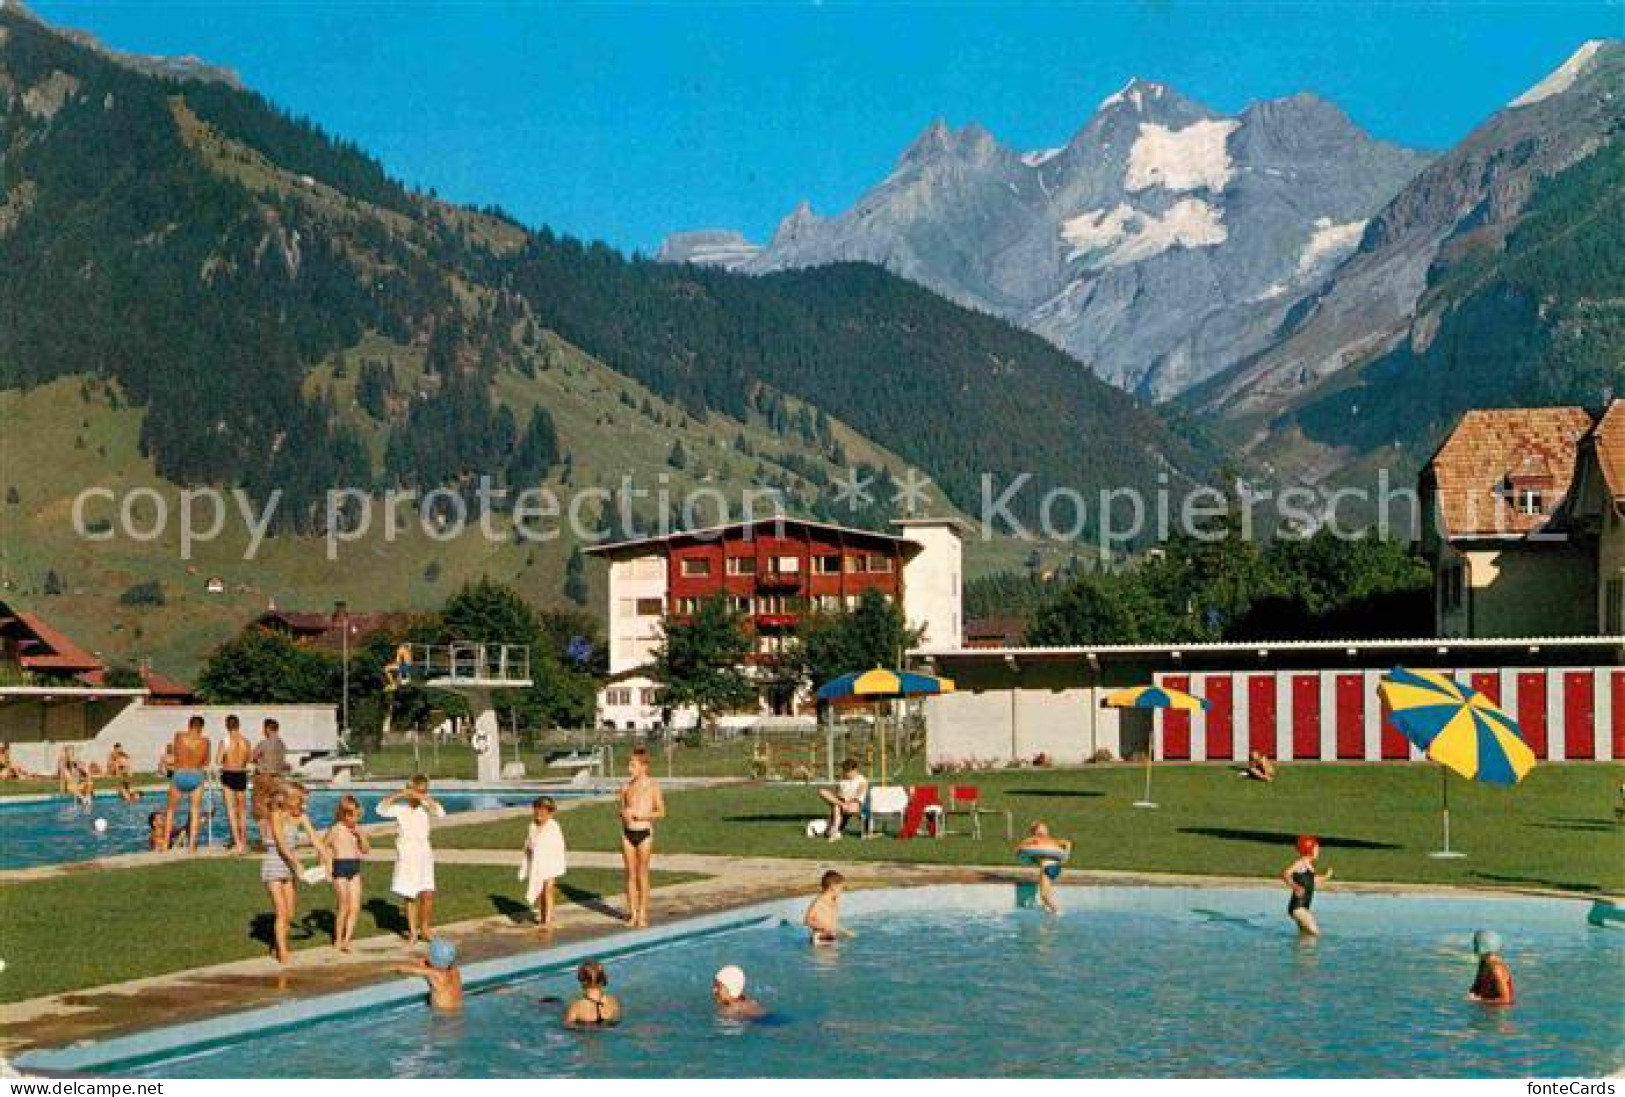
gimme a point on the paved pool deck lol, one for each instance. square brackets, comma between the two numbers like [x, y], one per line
[727, 883]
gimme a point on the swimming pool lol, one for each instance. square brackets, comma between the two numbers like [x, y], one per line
[953, 981]
[45, 832]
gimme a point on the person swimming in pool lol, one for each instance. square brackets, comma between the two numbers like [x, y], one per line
[192, 750]
[1493, 984]
[1049, 869]
[1301, 876]
[440, 970]
[823, 918]
[597, 1007]
[641, 803]
[728, 992]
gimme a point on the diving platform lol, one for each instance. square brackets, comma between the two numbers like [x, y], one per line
[476, 671]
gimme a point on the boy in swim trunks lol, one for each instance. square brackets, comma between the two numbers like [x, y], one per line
[191, 749]
[1049, 870]
[347, 845]
[823, 920]
[641, 803]
[439, 970]
[234, 759]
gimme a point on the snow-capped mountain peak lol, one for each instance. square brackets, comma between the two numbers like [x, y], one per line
[1561, 78]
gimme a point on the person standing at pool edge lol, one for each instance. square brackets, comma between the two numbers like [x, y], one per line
[1493, 984]
[270, 761]
[414, 812]
[280, 870]
[544, 861]
[346, 844]
[1301, 876]
[234, 759]
[192, 749]
[641, 803]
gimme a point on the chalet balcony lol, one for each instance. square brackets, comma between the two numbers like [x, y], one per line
[779, 580]
[775, 620]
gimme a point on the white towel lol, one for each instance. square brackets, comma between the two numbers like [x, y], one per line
[544, 857]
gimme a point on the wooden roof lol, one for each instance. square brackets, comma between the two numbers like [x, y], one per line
[1492, 446]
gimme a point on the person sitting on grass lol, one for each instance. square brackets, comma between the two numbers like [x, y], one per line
[1259, 767]
[439, 970]
[597, 1007]
[823, 920]
[1301, 876]
[728, 992]
[1049, 869]
[1493, 984]
[845, 800]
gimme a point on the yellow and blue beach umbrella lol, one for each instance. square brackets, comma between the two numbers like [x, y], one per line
[1458, 727]
[881, 684]
[1153, 697]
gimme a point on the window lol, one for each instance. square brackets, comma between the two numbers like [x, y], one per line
[854, 564]
[650, 696]
[646, 567]
[1453, 586]
[879, 564]
[649, 607]
[1530, 501]
[827, 603]
[695, 567]
[739, 603]
[786, 565]
[626, 607]
[618, 695]
[827, 564]
[686, 606]
[741, 565]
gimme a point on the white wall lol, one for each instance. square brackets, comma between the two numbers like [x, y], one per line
[144, 729]
[933, 582]
[996, 727]
[633, 638]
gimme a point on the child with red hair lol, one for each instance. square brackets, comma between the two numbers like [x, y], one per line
[1301, 876]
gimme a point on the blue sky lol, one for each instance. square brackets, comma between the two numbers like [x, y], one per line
[623, 122]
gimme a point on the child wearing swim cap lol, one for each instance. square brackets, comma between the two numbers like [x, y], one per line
[439, 970]
[1301, 876]
[728, 992]
[1049, 868]
[1493, 984]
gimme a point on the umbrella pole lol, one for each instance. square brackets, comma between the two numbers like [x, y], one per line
[1444, 790]
[1150, 753]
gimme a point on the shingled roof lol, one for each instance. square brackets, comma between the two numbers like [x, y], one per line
[1494, 448]
[1610, 445]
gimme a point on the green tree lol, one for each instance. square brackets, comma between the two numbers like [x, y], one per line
[873, 633]
[701, 661]
[260, 666]
[486, 611]
[575, 577]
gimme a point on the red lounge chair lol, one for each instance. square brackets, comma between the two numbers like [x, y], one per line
[921, 799]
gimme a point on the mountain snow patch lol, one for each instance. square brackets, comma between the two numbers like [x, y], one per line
[1114, 237]
[1562, 78]
[1134, 92]
[1329, 241]
[1039, 157]
[1193, 158]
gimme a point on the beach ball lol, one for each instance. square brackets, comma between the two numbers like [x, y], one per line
[100, 825]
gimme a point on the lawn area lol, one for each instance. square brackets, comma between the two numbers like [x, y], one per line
[90, 928]
[1377, 823]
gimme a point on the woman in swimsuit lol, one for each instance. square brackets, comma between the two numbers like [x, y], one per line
[346, 845]
[1301, 876]
[596, 1008]
[280, 868]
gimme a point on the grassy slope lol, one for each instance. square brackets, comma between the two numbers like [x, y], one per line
[87, 930]
[1556, 830]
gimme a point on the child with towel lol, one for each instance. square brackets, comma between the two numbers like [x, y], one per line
[544, 861]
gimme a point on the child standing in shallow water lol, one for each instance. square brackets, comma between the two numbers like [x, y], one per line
[544, 861]
[1049, 868]
[1301, 876]
[347, 845]
[823, 918]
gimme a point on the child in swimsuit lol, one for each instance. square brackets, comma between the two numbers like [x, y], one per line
[1049, 870]
[280, 870]
[347, 845]
[1301, 876]
[439, 968]
[1493, 984]
[596, 1008]
[641, 803]
[823, 918]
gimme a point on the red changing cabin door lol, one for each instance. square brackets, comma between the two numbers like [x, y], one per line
[1221, 733]
[1487, 682]
[1176, 725]
[1579, 714]
[1261, 714]
[1351, 716]
[1305, 716]
[1618, 714]
[1532, 709]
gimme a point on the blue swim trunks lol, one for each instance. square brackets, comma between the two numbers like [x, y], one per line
[187, 780]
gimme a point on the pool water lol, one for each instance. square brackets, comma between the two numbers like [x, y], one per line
[45, 832]
[956, 982]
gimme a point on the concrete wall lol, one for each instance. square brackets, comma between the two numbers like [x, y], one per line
[1544, 589]
[997, 727]
[143, 729]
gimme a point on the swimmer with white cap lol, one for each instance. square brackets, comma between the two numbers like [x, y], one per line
[728, 992]
[1493, 984]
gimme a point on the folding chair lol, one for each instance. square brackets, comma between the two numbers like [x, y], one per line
[967, 800]
[883, 801]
